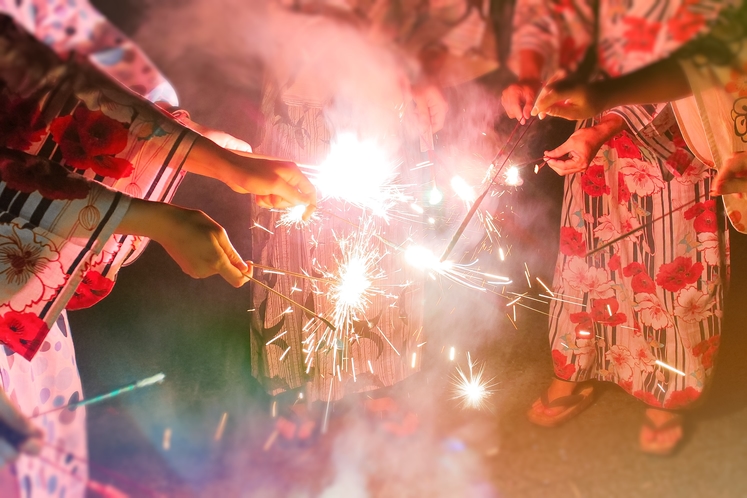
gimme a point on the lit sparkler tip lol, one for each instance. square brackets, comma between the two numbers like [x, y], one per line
[293, 217]
[435, 196]
[462, 189]
[512, 177]
[470, 388]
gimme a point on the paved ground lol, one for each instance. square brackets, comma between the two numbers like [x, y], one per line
[195, 331]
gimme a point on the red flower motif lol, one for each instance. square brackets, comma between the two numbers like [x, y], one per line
[20, 122]
[625, 147]
[90, 291]
[90, 139]
[627, 385]
[572, 242]
[614, 263]
[22, 332]
[680, 399]
[685, 24]
[28, 174]
[634, 269]
[706, 350]
[604, 311]
[647, 397]
[563, 369]
[736, 220]
[642, 283]
[623, 192]
[704, 214]
[593, 182]
[679, 273]
[679, 161]
[640, 35]
[584, 323]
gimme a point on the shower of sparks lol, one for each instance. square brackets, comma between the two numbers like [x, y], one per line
[352, 284]
[358, 172]
[668, 367]
[293, 217]
[464, 274]
[472, 390]
[435, 196]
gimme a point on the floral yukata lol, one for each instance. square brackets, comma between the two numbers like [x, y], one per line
[654, 299]
[74, 148]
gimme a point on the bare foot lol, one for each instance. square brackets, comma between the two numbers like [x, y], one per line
[662, 432]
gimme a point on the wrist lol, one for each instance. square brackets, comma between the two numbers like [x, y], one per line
[208, 159]
[146, 219]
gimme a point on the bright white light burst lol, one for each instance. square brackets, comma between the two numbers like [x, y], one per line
[512, 177]
[472, 390]
[358, 172]
[293, 217]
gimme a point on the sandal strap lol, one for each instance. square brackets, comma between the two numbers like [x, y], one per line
[673, 422]
[563, 401]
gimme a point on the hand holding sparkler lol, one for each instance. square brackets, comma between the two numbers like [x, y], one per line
[277, 183]
[199, 245]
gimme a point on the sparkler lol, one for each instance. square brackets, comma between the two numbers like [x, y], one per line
[424, 259]
[359, 173]
[286, 298]
[293, 217]
[155, 379]
[472, 390]
[485, 192]
[638, 228]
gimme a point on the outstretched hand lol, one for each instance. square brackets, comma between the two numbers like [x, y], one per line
[576, 153]
[198, 244]
[568, 98]
[518, 99]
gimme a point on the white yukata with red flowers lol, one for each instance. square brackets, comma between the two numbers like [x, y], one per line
[74, 148]
[654, 299]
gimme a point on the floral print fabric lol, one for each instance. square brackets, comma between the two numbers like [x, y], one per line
[654, 296]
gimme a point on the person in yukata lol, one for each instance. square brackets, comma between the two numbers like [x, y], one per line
[403, 53]
[644, 313]
[88, 169]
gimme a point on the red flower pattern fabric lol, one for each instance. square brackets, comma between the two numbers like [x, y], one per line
[20, 122]
[33, 174]
[22, 332]
[704, 216]
[641, 34]
[90, 291]
[681, 399]
[679, 273]
[572, 242]
[90, 140]
[706, 350]
[563, 369]
[593, 181]
[641, 282]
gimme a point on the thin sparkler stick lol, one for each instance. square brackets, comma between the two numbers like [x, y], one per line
[644, 225]
[156, 379]
[476, 204]
[283, 296]
[290, 273]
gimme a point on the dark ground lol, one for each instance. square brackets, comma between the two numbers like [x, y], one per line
[157, 319]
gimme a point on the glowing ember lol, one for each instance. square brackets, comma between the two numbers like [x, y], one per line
[358, 172]
[512, 177]
[293, 217]
[435, 196]
[472, 390]
[463, 190]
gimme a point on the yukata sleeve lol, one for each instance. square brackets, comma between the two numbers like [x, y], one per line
[534, 29]
[74, 141]
[80, 28]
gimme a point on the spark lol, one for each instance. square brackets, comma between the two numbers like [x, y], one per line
[512, 177]
[284, 353]
[359, 173]
[423, 258]
[546, 287]
[352, 362]
[221, 427]
[513, 322]
[435, 196]
[668, 367]
[471, 390]
[463, 190]
[257, 225]
[167, 439]
[370, 367]
[293, 217]
[414, 360]
[281, 334]
[352, 288]
[452, 352]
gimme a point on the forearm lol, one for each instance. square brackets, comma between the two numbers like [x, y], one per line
[530, 65]
[609, 126]
[664, 81]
